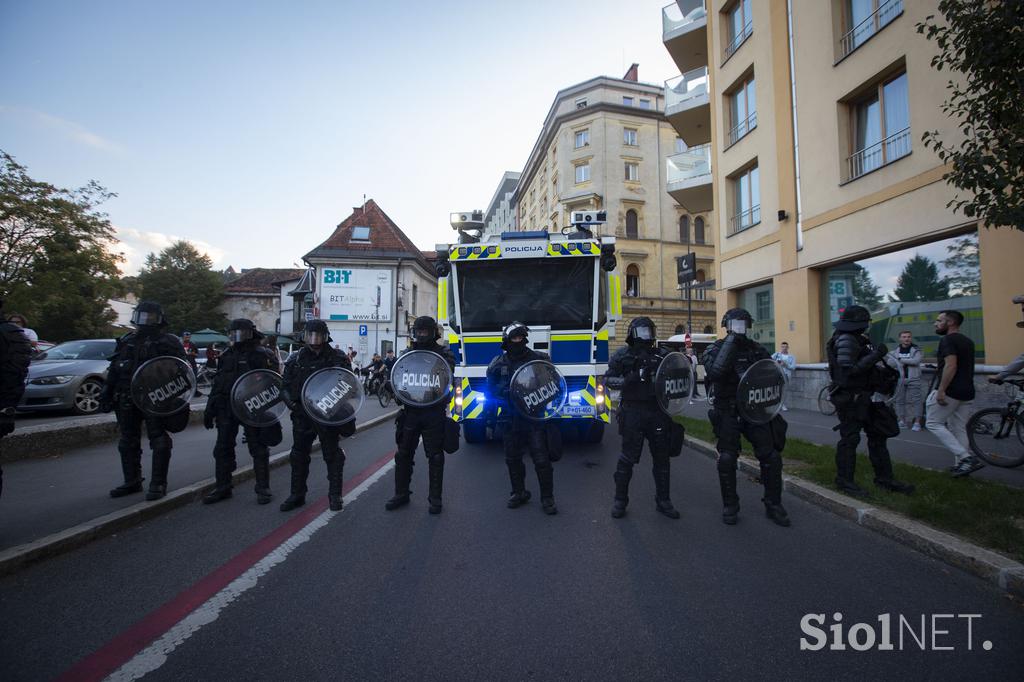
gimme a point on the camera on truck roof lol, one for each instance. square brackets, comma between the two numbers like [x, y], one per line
[589, 217]
[467, 220]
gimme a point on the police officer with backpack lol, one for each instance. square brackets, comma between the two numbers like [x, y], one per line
[428, 423]
[858, 373]
[244, 354]
[632, 370]
[317, 354]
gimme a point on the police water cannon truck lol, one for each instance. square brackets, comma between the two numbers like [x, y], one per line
[564, 287]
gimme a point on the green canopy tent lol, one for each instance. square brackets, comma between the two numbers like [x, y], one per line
[206, 337]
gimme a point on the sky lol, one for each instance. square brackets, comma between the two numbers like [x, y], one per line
[252, 128]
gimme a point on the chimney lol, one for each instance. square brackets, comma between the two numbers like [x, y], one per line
[631, 75]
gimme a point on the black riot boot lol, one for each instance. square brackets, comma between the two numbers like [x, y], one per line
[158, 483]
[546, 481]
[436, 473]
[772, 499]
[300, 473]
[222, 491]
[261, 471]
[623, 474]
[878, 453]
[335, 471]
[131, 467]
[403, 477]
[662, 497]
[517, 476]
[730, 500]
[846, 466]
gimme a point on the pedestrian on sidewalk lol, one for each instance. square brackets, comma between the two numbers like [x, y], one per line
[950, 404]
[856, 368]
[698, 370]
[908, 401]
[786, 362]
[15, 355]
[148, 341]
[317, 354]
[244, 354]
[18, 320]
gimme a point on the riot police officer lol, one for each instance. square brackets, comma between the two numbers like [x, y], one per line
[427, 423]
[631, 370]
[15, 355]
[521, 434]
[148, 341]
[853, 367]
[725, 362]
[317, 354]
[244, 354]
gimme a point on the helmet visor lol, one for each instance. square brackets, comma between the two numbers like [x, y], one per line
[644, 333]
[739, 326]
[423, 334]
[145, 317]
[239, 335]
[316, 338]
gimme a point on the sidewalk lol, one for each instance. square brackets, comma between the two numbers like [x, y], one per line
[45, 495]
[919, 448]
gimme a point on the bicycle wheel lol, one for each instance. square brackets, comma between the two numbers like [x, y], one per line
[825, 405]
[385, 397]
[995, 436]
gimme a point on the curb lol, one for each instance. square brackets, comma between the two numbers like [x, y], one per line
[48, 440]
[20, 556]
[1004, 573]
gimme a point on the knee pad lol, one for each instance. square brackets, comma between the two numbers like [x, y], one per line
[162, 442]
[627, 461]
[727, 461]
[436, 458]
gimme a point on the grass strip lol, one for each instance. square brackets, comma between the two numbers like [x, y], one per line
[986, 513]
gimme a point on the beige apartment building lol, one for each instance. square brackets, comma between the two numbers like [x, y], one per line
[814, 113]
[604, 145]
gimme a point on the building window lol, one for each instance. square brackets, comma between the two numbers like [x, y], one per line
[760, 302]
[742, 111]
[698, 230]
[582, 138]
[629, 137]
[415, 295]
[881, 127]
[631, 225]
[680, 145]
[633, 281]
[739, 26]
[582, 173]
[581, 103]
[632, 171]
[865, 18]
[645, 104]
[746, 201]
[360, 234]
[684, 229]
[627, 101]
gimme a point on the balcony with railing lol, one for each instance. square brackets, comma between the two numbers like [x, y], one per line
[874, 156]
[745, 219]
[738, 39]
[684, 32]
[739, 131]
[698, 291]
[688, 106]
[869, 26]
[688, 178]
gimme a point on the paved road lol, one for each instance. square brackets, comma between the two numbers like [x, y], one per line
[915, 447]
[46, 495]
[483, 592]
[53, 417]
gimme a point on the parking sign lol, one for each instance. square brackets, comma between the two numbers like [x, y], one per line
[363, 330]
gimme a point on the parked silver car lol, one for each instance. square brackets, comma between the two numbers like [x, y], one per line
[69, 376]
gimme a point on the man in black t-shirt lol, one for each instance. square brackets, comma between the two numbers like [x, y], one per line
[949, 405]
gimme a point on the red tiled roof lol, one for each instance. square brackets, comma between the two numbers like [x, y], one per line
[386, 238]
[261, 280]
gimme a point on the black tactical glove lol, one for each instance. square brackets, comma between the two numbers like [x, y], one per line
[209, 416]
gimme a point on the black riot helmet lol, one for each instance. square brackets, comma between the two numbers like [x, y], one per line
[317, 333]
[734, 316]
[642, 331]
[855, 318]
[515, 330]
[148, 315]
[242, 330]
[425, 330]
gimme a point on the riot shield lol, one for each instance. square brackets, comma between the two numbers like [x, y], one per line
[673, 383]
[761, 391]
[163, 386]
[538, 390]
[256, 398]
[331, 396]
[421, 378]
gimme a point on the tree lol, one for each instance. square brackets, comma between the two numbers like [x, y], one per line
[920, 281]
[964, 266]
[182, 281]
[56, 266]
[865, 291]
[982, 41]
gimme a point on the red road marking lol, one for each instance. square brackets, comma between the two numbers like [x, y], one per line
[118, 651]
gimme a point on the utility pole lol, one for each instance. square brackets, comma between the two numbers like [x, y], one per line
[376, 323]
[689, 291]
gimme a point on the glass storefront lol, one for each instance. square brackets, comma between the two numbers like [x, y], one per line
[760, 301]
[906, 290]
